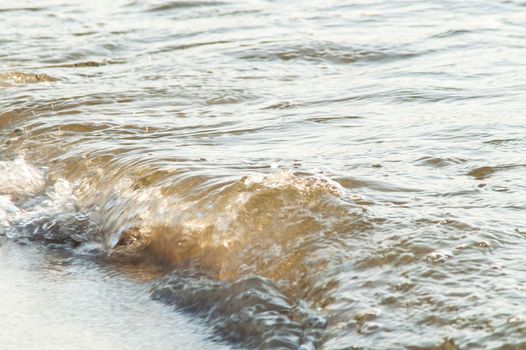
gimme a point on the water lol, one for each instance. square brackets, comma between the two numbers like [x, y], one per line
[52, 300]
[321, 174]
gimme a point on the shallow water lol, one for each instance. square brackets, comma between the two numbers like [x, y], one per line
[53, 300]
[323, 174]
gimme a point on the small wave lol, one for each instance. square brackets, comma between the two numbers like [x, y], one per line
[451, 32]
[187, 46]
[318, 52]
[498, 142]
[28, 9]
[281, 105]
[227, 232]
[78, 64]
[171, 5]
[437, 162]
[224, 230]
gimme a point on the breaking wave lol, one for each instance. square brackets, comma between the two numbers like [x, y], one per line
[241, 252]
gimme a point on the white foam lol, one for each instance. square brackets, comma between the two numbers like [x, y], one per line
[29, 207]
[19, 178]
[7, 212]
[285, 178]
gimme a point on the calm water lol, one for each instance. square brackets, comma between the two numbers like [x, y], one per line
[263, 174]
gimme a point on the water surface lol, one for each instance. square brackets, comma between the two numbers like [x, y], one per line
[315, 174]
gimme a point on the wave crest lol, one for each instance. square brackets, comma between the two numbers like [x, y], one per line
[254, 225]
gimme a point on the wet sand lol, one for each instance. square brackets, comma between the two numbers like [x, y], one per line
[51, 300]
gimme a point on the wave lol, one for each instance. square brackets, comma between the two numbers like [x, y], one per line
[245, 254]
[174, 5]
[320, 51]
[233, 229]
